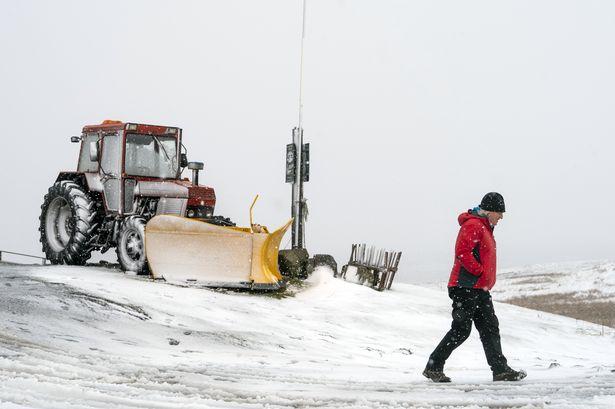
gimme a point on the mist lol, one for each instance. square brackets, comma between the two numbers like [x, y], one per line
[413, 110]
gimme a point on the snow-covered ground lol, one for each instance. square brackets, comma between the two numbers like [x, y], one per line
[583, 290]
[588, 279]
[76, 337]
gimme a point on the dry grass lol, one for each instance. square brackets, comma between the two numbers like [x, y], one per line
[588, 308]
[532, 280]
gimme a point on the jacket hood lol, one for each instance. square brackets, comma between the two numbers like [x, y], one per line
[465, 216]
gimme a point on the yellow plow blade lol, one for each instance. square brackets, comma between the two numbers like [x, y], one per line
[186, 251]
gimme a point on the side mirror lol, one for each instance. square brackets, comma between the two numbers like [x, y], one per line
[75, 139]
[183, 160]
[94, 151]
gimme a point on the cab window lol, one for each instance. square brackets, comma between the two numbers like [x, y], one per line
[85, 164]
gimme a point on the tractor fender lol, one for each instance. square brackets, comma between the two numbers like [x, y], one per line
[89, 181]
[77, 177]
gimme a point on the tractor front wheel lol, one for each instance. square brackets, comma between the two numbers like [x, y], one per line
[131, 245]
[67, 224]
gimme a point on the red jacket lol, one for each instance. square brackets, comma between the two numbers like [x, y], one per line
[475, 258]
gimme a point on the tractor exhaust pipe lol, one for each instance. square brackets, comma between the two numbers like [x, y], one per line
[195, 167]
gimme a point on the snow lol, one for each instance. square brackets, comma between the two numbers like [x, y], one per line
[587, 278]
[85, 337]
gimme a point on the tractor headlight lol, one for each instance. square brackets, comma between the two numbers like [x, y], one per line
[190, 213]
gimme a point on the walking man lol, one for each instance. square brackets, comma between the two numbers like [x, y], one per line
[472, 277]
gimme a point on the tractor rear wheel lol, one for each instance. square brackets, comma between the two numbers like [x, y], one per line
[67, 224]
[131, 245]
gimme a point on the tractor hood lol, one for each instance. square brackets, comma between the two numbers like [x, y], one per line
[196, 195]
[199, 195]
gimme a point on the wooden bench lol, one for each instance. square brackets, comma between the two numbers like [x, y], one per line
[375, 267]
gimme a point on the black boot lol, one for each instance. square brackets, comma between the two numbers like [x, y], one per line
[436, 375]
[509, 374]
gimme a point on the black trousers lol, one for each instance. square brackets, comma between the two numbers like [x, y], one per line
[470, 304]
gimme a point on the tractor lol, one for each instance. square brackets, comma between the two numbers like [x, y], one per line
[127, 174]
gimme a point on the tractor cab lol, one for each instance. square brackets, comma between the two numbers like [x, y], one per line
[149, 151]
[127, 160]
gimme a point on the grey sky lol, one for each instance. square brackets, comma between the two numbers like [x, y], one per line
[413, 109]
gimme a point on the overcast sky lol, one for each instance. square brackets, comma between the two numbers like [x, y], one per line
[413, 111]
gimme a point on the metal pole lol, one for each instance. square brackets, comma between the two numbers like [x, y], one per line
[23, 255]
[301, 71]
[195, 177]
[297, 195]
[297, 209]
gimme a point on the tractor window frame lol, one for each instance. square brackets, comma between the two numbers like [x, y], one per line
[111, 153]
[84, 163]
[129, 172]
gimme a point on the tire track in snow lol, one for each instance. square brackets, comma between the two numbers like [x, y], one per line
[96, 382]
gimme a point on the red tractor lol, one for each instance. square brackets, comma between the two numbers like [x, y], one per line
[127, 173]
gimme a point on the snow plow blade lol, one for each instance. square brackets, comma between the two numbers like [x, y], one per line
[192, 252]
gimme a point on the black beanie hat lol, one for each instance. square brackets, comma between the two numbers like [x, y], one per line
[493, 202]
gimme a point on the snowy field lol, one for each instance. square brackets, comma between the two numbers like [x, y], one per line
[96, 338]
[589, 279]
[583, 290]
